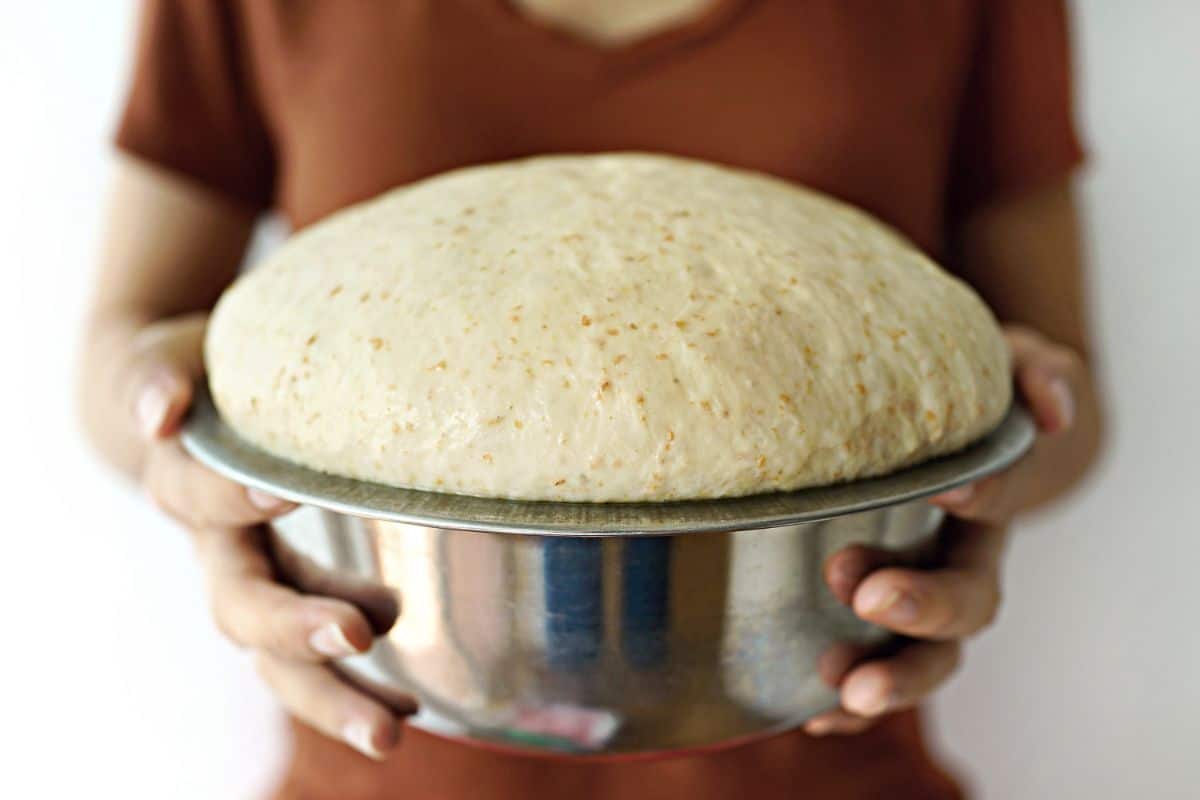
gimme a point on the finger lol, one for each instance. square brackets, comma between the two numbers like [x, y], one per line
[167, 358]
[163, 395]
[941, 604]
[379, 604]
[994, 499]
[198, 497]
[317, 696]
[1047, 376]
[837, 661]
[256, 612]
[1049, 394]
[839, 722]
[901, 681]
[846, 568]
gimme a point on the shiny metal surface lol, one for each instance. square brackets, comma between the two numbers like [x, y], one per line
[656, 643]
[596, 628]
[213, 443]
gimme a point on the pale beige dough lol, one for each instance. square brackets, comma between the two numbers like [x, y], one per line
[605, 328]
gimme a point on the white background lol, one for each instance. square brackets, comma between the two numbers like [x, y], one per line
[115, 684]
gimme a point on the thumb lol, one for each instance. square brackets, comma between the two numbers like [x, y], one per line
[168, 356]
[1048, 376]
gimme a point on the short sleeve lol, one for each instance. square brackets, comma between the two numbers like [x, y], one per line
[1017, 122]
[191, 106]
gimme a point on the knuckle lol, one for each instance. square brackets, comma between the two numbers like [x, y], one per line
[281, 631]
[281, 637]
[267, 626]
[942, 617]
[937, 611]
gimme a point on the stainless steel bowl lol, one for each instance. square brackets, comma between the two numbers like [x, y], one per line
[645, 643]
[597, 628]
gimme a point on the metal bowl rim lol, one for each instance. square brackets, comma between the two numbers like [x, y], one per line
[213, 443]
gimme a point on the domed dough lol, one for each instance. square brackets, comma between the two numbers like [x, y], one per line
[605, 328]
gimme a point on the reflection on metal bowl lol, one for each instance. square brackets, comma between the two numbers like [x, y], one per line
[608, 644]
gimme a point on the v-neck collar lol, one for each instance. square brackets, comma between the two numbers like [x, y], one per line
[602, 58]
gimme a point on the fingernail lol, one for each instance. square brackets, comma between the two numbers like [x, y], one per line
[1064, 402]
[330, 640]
[357, 734]
[867, 696]
[265, 501]
[887, 604]
[152, 405]
[956, 496]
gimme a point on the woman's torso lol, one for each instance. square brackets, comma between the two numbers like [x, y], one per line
[862, 104]
[851, 96]
[315, 105]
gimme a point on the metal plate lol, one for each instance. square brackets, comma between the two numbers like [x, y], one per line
[215, 445]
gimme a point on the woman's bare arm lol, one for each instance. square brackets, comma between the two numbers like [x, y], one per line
[169, 248]
[1026, 258]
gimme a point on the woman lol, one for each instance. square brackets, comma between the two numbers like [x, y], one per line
[950, 120]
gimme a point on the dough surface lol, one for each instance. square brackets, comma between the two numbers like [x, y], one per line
[618, 327]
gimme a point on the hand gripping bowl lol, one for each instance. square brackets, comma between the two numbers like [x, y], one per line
[602, 629]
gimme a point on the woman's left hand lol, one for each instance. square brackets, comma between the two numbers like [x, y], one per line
[942, 607]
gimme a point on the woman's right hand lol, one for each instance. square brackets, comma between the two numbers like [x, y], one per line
[293, 635]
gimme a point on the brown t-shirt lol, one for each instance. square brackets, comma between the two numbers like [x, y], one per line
[917, 110]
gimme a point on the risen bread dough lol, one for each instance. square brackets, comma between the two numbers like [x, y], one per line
[605, 328]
